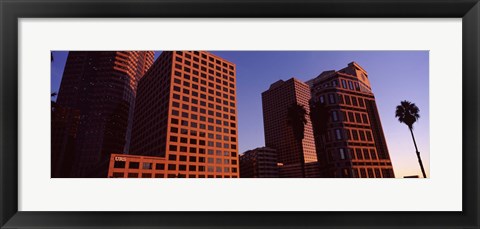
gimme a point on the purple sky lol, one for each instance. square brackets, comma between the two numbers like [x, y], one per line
[394, 76]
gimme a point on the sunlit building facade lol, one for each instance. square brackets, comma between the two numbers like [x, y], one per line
[352, 143]
[279, 135]
[101, 87]
[186, 113]
[136, 166]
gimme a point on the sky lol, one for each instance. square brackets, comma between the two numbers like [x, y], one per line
[394, 76]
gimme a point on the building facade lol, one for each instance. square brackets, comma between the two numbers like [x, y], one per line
[101, 86]
[348, 133]
[186, 113]
[279, 135]
[64, 123]
[259, 163]
[136, 166]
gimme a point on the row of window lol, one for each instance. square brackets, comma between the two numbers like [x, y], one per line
[219, 145]
[175, 167]
[369, 173]
[186, 107]
[171, 175]
[186, 85]
[351, 134]
[193, 124]
[349, 100]
[218, 83]
[352, 154]
[341, 83]
[212, 128]
[195, 55]
[225, 138]
[194, 69]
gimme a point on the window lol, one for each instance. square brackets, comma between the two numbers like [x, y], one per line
[354, 101]
[119, 164]
[193, 150]
[134, 165]
[369, 135]
[364, 117]
[355, 135]
[338, 134]
[117, 175]
[357, 118]
[344, 84]
[175, 112]
[331, 98]
[350, 117]
[159, 166]
[362, 135]
[334, 116]
[342, 154]
[358, 153]
[350, 85]
[366, 155]
[347, 100]
[360, 102]
[132, 175]
[373, 154]
[147, 165]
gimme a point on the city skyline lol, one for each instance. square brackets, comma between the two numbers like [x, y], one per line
[390, 72]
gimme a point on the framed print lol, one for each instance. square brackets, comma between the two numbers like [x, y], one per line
[275, 113]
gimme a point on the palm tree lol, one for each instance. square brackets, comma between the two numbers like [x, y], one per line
[408, 113]
[319, 115]
[296, 118]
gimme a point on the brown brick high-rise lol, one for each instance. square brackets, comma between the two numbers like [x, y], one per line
[101, 87]
[279, 135]
[351, 143]
[186, 113]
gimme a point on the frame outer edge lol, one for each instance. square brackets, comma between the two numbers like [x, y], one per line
[471, 123]
[9, 113]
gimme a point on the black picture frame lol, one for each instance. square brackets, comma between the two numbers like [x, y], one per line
[11, 11]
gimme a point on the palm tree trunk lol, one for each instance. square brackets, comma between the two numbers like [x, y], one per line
[418, 154]
[302, 158]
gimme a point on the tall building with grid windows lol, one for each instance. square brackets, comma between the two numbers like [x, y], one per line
[348, 133]
[100, 86]
[186, 113]
[279, 135]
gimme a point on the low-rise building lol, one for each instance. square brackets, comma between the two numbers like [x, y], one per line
[259, 163]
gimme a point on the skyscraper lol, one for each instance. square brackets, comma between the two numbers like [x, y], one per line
[186, 113]
[279, 134]
[101, 87]
[348, 133]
